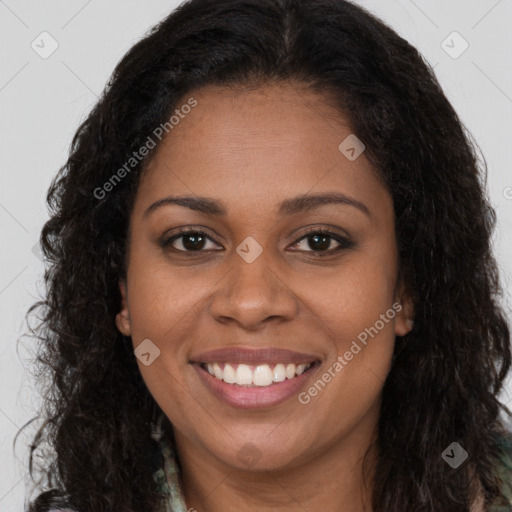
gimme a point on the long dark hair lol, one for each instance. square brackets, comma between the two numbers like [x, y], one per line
[447, 372]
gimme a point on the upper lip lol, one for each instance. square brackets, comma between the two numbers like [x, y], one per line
[269, 355]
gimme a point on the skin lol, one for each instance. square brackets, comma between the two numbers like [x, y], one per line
[252, 149]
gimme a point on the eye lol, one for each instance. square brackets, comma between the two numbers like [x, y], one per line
[320, 241]
[189, 240]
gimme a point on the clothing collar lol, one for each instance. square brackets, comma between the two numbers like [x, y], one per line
[168, 481]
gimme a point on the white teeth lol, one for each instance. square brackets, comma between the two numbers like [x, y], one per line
[262, 375]
[228, 374]
[279, 373]
[243, 375]
[301, 368]
[217, 371]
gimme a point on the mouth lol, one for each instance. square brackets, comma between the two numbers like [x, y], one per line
[254, 378]
[262, 375]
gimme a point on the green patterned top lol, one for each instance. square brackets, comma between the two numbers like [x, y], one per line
[169, 486]
[168, 483]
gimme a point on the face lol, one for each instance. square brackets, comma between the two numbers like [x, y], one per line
[265, 283]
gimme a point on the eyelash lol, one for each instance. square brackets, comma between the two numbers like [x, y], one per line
[344, 242]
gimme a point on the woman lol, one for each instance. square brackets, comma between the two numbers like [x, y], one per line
[270, 280]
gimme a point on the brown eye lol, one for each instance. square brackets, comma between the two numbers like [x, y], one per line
[188, 241]
[321, 242]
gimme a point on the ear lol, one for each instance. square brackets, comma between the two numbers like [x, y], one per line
[123, 317]
[404, 318]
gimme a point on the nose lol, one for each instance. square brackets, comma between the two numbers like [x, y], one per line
[253, 294]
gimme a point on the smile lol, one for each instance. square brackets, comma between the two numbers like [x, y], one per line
[260, 375]
[254, 378]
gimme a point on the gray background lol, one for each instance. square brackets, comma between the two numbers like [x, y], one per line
[43, 100]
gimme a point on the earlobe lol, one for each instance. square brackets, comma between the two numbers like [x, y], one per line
[404, 322]
[123, 317]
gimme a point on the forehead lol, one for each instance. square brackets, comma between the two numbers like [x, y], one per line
[260, 144]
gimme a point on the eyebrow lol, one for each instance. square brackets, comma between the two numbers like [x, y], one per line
[294, 205]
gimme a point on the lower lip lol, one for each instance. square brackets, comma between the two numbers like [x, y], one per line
[254, 397]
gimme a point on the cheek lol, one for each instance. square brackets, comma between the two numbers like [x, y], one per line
[173, 395]
[354, 297]
[358, 311]
[163, 310]
[359, 320]
[163, 300]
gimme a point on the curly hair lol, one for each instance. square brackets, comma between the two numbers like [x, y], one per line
[446, 374]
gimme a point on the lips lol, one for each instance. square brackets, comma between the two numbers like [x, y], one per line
[254, 357]
[254, 378]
